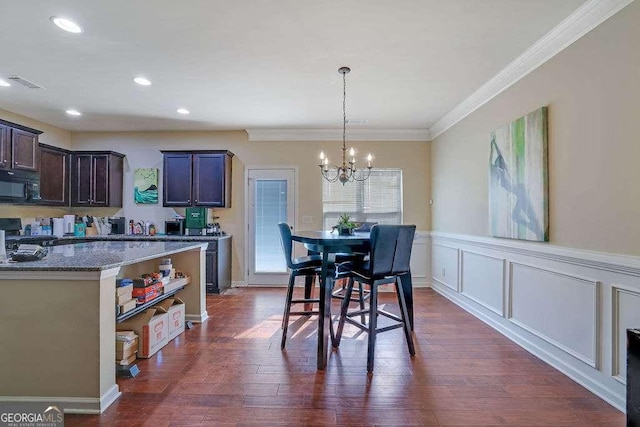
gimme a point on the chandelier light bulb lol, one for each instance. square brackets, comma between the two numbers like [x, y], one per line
[322, 155]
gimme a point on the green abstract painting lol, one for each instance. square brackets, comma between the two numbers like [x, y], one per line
[145, 181]
[518, 179]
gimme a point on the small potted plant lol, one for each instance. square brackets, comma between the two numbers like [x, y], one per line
[345, 226]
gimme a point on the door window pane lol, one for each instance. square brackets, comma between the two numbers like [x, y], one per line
[271, 208]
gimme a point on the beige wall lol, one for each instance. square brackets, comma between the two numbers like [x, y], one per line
[593, 92]
[143, 150]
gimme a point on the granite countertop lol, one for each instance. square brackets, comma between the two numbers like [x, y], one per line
[95, 256]
[142, 237]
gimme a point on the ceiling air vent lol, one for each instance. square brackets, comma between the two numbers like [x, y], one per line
[23, 82]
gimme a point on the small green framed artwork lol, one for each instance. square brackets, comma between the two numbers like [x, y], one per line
[145, 181]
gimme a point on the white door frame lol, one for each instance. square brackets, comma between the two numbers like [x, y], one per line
[247, 209]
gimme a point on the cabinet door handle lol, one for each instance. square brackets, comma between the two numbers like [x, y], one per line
[15, 163]
[196, 200]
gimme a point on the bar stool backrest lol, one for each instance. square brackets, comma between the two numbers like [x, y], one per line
[285, 237]
[390, 249]
[404, 245]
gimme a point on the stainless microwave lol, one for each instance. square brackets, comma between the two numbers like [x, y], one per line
[18, 186]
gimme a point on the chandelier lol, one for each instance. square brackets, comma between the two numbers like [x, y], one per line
[347, 172]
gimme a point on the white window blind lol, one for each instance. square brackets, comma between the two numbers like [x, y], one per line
[271, 208]
[378, 199]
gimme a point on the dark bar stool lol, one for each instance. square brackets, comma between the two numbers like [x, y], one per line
[357, 257]
[307, 266]
[389, 258]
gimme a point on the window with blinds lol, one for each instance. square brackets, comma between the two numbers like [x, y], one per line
[378, 199]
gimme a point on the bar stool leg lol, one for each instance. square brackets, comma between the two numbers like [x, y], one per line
[405, 317]
[343, 312]
[287, 310]
[361, 299]
[373, 323]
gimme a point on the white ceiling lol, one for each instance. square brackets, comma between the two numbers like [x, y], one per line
[247, 64]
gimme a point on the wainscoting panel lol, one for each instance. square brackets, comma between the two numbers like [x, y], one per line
[571, 308]
[482, 280]
[420, 265]
[445, 266]
[559, 308]
[626, 314]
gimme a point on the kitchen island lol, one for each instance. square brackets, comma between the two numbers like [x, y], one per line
[57, 318]
[218, 254]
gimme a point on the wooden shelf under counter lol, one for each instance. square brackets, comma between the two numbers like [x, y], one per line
[174, 286]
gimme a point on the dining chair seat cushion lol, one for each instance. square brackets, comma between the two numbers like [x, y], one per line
[309, 261]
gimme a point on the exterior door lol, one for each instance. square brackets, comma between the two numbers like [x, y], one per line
[271, 199]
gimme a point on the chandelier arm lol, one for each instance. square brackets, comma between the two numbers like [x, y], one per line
[364, 177]
[328, 173]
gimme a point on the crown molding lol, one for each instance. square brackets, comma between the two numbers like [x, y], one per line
[584, 19]
[260, 135]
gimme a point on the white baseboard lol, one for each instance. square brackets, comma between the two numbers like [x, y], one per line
[195, 318]
[73, 405]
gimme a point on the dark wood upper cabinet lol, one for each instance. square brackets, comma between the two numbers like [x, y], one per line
[5, 146]
[19, 147]
[197, 178]
[97, 178]
[54, 175]
[176, 179]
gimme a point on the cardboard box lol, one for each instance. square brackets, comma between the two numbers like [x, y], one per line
[176, 318]
[125, 336]
[152, 328]
[174, 307]
[128, 305]
[125, 349]
[154, 287]
[121, 299]
[123, 290]
[176, 283]
[128, 361]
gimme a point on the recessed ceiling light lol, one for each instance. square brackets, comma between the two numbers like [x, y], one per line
[142, 81]
[66, 24]
[4, 83]
[182, 111]
[73, 112]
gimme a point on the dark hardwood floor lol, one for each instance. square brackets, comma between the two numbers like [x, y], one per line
[230, 371]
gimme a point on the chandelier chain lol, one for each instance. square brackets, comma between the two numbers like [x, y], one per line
[344, 115]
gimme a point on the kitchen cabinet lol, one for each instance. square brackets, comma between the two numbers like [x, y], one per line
[197, 178]
[54, 175]
[218, 265]
[96, 178]
[19, 147]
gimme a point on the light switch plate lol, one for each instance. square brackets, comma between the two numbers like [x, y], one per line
[307, 219]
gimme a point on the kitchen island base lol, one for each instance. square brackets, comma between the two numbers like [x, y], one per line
[58, 324]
